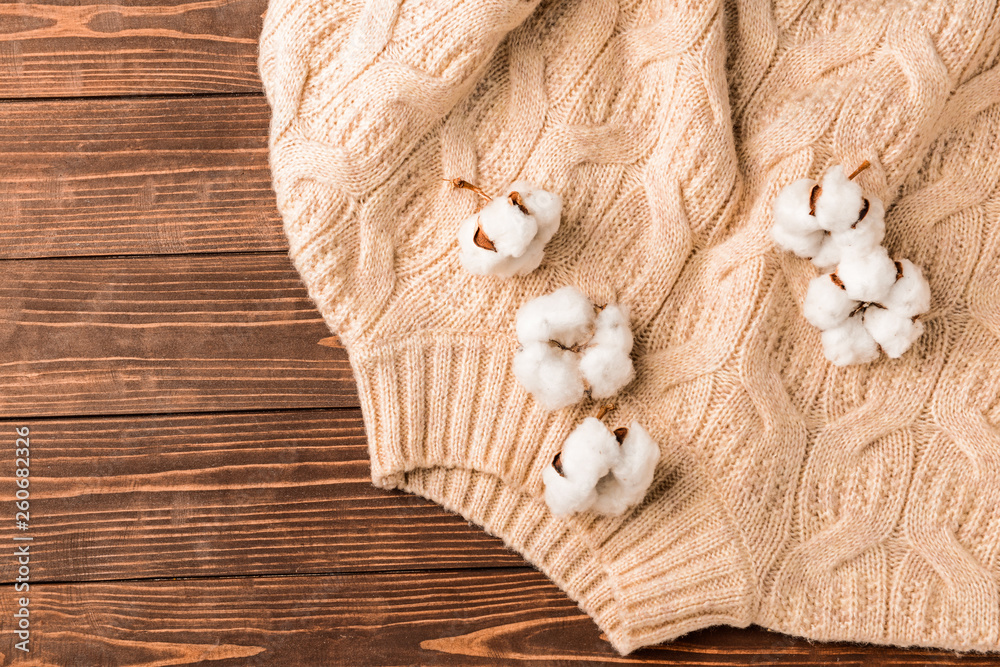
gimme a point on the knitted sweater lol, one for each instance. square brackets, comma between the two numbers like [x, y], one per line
[858, 503]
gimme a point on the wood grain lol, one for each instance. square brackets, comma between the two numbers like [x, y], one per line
[60, 49]
[470, 618]
[112, 177]
[163, 334]
[223, 494]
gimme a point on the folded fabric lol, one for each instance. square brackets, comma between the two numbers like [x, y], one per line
[856, 503]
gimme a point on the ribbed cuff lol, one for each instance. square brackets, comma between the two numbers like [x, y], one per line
[447, 420]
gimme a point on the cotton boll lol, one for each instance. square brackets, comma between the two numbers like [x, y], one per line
[829, 254]
[588, 454]
[631, 475]
[526, 263]
[564, 496]
[827, 304]
[565, 316]
[476, 260]
[911, 294]
[839, 203]
[611, 329]
[867, 277]
[850, 343]
[507, 227]
[606, 364]
[544, 205]
[606, 370]
[867, 234]
[791, 209]
[638, 456]
[551, 375]
[805, 245]
[895, 333]
[517, 232]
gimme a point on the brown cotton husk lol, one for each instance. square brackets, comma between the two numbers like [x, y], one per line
[864, 211]
[482, 240]
[516, 200]
[813, 196]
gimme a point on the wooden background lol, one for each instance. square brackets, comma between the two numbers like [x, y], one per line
[199, 477]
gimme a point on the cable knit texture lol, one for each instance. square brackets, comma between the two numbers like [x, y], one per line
[854, 503]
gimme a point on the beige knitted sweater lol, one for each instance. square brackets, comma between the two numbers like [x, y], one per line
[858, 503]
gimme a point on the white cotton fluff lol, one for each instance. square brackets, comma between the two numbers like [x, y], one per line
[519, 239]
[565, 316]
[630, 476]
[606, 364]
[794, 228]
[587, 455]
[911, 294]
[597, 345]
[791, 207]
[523, 265]
[829, 254]
[880, 298]
[894, 332]
[544, 205]
[551, 375]
[509, 228]
[850, 343]
[865, 235]
[827, 304]
[867, 277]
[839, 201]
[803, 245]
[480, 261]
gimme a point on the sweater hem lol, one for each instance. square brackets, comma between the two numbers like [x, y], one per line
[667, 567]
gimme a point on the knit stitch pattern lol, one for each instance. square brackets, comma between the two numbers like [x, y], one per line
[858, 503]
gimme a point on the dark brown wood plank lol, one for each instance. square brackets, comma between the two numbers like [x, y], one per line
[163, 334]
[155, 176]
[222, 494]
[121, 47]
[479, 618]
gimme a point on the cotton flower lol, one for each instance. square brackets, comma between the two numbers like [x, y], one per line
[829, 254]
[631, 475]
[894, 332]
[911, 294]
[606, 363]
[601, 471]
[839, 201]
[849, 343]
[568, 348]
[827, 304]
[795, 228]
[565, 316]
[892, 323]
[867, 233]
[867, 277]
[550, 374]
[508, 236]
[865, 300]
[587, 455]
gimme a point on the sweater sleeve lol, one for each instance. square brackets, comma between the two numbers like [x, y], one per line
[354, 87]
